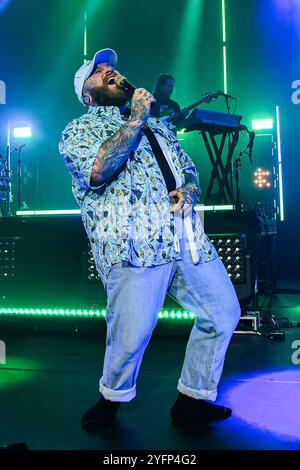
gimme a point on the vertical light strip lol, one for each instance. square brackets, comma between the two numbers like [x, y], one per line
[224, 46]
[281, 205]
[85, 39]
[8, 134]
[223, 21]
[225, 68]
[8, 157]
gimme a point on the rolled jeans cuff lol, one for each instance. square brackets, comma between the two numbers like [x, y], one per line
[117, 395]
[197, 394]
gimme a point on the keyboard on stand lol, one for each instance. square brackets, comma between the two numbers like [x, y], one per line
[212, 121]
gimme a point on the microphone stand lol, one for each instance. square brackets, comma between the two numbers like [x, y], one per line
[238, 166]
[8, 175]
[227, 103]
[18, 150]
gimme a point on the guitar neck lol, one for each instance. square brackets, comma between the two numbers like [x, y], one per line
[188, 108]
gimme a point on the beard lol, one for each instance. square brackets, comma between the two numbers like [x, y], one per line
[109, 95]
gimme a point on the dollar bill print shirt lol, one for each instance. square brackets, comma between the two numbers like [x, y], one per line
[128, 219]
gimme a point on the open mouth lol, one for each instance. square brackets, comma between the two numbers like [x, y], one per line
[111, 81]
[110, 77]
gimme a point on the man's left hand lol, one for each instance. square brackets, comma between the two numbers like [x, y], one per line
[185, 198]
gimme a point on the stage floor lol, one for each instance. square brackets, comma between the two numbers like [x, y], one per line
[51, 378]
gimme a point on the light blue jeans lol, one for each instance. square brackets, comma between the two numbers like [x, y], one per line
[136, 295]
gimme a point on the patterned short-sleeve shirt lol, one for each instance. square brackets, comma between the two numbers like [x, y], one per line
[128, 219]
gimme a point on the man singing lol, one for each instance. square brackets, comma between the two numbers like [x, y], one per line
[137, 188]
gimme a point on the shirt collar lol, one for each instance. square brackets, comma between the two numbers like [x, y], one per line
[108, 111]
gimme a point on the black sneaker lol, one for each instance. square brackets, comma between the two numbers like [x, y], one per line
[100, 415]
[188, 410]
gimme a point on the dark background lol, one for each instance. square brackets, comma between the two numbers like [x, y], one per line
[42, 47]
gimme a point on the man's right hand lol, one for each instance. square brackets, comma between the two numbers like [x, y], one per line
[141, 105]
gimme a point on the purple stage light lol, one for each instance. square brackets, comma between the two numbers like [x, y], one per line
[269, 401]
[288, 10]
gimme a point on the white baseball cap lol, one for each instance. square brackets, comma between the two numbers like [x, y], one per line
[108, 56]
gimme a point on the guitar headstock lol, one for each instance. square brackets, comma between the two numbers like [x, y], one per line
[208, 97]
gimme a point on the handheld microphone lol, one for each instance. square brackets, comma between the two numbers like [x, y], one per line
[124, 84]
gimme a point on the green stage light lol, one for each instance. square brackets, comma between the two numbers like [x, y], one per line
[95, 313]
[85, 37]
[48, 212]
[224, 47]
[76, 36]
[260, 124]
[17, 370]
[37, 213]
[225, 68]
[281, 204]
[223, 21]
[184, 58]
[221, 207]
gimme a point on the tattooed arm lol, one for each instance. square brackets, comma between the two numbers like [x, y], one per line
[115, 150]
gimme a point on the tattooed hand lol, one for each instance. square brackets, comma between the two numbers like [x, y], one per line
[185, 198]
[141, 104]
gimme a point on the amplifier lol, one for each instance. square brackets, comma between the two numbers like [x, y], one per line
[231, 248]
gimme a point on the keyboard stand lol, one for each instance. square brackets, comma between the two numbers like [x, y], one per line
[221, 172]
